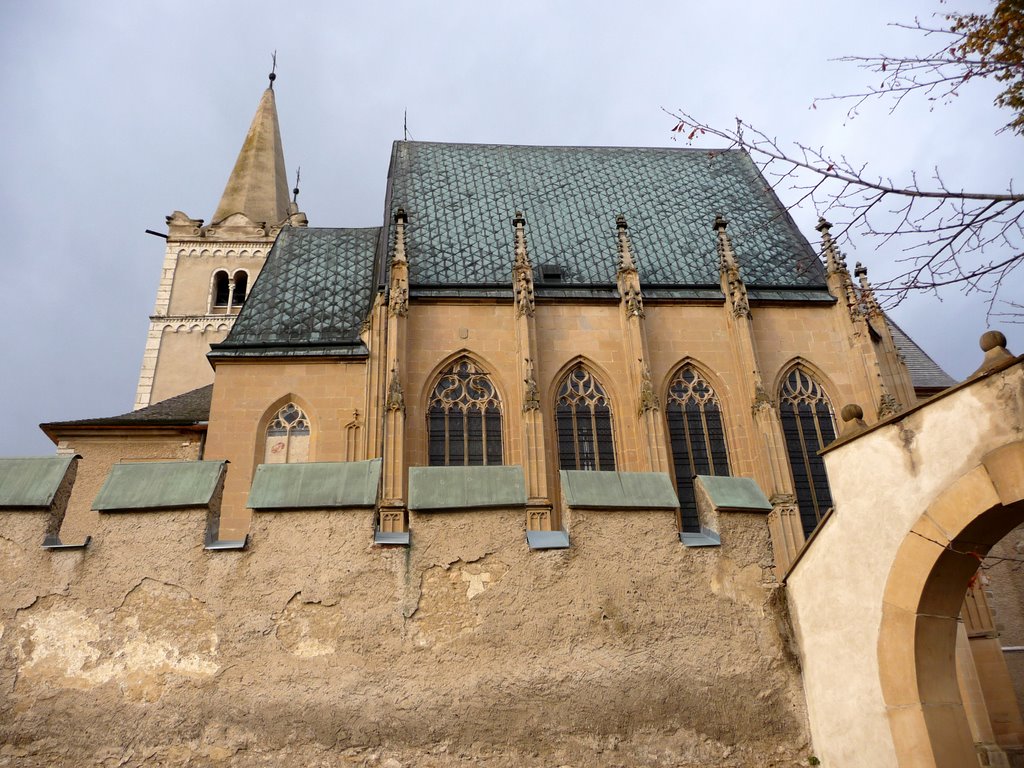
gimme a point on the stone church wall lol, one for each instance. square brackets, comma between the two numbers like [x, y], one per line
[313, 647]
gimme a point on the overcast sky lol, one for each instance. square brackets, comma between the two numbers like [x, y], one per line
[117, 114]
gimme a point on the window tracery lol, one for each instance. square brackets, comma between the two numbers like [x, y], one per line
[808, 424]
[583, 419]
[288, 437]
[697, 437]
[464, 419]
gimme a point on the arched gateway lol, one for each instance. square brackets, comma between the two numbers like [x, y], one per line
[920, 499]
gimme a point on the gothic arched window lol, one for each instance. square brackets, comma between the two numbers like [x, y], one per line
[287, 439]
[697, 438]
[808, 425]
[583, 418]
[464, 419]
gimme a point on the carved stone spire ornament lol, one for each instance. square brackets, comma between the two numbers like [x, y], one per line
[399, 255]
[522, 270]
[732, 283]
[398, 300]
[628, 276]
[648, 399]
[531, 398]
[867, 293]
[396, 398]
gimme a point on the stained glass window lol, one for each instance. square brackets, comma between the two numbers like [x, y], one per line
[808, 424]
[697, 437]
[464, 419]
[583, 418]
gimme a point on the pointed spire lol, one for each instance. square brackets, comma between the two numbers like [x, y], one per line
[399, 254]
[258, 185]
[522, 270]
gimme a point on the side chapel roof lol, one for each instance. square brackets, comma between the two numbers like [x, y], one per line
[310, 298]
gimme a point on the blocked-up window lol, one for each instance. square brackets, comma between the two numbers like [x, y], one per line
[697, 436]
[464, 418]
[583, 419]
[288, 436]
[808, 424]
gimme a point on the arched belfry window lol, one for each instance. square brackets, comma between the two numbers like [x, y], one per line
[228, 292]
[221, 289]
[808, 425]
[464, 418]
[288, 437]
[697, 437]
[583, 418]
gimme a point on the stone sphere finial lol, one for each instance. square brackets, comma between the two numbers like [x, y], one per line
[992, 340]
[852, 412]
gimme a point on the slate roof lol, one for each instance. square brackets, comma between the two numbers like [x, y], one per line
[925, 373]
[310, 298]
[182, 410]
[460, 199]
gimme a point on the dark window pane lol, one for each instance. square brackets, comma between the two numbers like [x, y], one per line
[241, 283]
[494, 456]
[220, 289]
[475, 437]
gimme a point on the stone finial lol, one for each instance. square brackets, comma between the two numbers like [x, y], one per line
[522, 270]
[732, 283]
[400, 219]
[833, 260]
[853, 418]
[867, 293]
[626, 262]
[993, 344]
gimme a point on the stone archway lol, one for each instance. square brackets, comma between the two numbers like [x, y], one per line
[921, 606]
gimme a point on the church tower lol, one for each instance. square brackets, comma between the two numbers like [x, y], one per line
[208, 270]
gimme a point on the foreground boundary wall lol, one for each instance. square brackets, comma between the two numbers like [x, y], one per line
[315, 647]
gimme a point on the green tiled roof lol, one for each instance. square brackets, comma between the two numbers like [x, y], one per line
[460, 199]
[310, 298]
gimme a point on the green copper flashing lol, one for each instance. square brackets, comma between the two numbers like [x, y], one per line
[734, 494]
[318, 485]
[31, 483]
[438, 488]
[618, 490]
[159, 485]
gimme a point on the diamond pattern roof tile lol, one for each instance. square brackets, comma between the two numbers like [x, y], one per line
[312, 293]
[461, 197]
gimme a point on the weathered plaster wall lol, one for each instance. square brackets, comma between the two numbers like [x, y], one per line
[881, 483]
[315, 648]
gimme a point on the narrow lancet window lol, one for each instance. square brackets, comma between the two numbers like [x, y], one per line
[583, 418]
[464, 419]
[241, 283]
[808, 424]
[288, 437]
[697, 437]
[221, 289]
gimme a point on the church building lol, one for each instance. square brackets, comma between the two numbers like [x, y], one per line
[553, 467]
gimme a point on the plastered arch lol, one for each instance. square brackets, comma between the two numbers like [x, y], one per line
[271, 411]
[921, 606]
